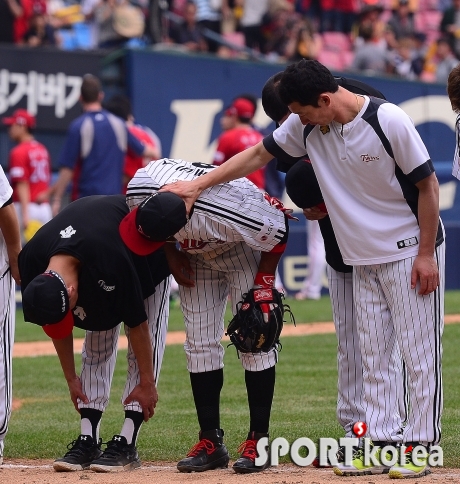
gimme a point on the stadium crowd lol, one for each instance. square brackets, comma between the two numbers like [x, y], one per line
[411, 39]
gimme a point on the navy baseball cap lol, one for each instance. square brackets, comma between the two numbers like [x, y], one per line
[302, 186]
[45, 302]
[155, 220]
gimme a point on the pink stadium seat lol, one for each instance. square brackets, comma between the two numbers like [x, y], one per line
[428, 20]
[332, 60]
[426, 76]
[236, 38]
[336, 41]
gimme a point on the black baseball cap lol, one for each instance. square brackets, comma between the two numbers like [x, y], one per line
[45, 302]
[155, 220]
[302, 186]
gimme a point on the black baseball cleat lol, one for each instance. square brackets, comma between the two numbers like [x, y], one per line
[248, 450]
[118, 456]
[209, 453]
[81, 453]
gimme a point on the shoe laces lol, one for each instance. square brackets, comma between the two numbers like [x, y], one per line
[203, 444]
[358, 453]
[77, 448]
[113, 449]
[248, 449]
[408, 455]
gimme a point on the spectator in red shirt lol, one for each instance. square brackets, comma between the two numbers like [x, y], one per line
[30, 173]
[22, 23]
[120, 105]
[240, 137]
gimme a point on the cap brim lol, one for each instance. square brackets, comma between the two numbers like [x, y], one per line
[8, 121]
[133, 239]
[62, 329]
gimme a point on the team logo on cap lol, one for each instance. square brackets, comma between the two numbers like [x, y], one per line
[324, 129]
[139, 229]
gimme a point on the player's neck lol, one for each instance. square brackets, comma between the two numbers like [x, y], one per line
[25, 138]
[67, 266]
[351, 106]
[91, 107]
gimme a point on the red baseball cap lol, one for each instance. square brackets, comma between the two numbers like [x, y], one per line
[243, 108]
[21, 117]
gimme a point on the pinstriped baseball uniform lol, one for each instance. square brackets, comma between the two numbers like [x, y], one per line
[7, 322]
[456, 165]
[230, 225]
[98, 366]
[377, 230]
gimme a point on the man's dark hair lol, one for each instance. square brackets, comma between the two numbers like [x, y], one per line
[120, 105]
[453, 88]
[90, 88]
[304, 81]
[274, 108]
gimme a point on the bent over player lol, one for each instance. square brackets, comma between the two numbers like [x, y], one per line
[76, 271]
[382, 194]
[234, 239]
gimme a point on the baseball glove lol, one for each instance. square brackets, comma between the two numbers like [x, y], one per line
[258, 322]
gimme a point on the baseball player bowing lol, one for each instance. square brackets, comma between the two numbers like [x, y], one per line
[233, 238]
[76, 271]
[303, 189]
[382, 195]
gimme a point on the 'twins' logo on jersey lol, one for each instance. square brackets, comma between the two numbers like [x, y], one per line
[105, 286]
[367, 157]
[67, 232]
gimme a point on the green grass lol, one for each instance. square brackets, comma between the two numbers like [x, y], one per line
[304, 403]
[304, 312]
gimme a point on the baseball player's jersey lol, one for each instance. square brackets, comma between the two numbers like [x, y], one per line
[456, 165]
[234, 141]
[30, 162]
[7, 320]
[388, 217]
[88, 230]
[95, 149]
[222, 216]
[6, 193]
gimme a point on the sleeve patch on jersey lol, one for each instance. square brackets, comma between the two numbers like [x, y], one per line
[17, 172]
[407, 242]
[268, 231]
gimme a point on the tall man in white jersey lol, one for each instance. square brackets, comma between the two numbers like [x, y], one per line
[303, 189]
[233, 239]
[382, 195]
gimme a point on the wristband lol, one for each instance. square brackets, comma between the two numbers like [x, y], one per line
[264, 279]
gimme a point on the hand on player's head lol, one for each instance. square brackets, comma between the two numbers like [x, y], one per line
[187, 190]
[147, 227]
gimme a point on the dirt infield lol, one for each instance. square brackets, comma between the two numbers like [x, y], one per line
[16, 471]
[42, 348]
[41, 472]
